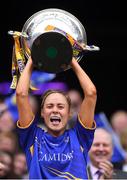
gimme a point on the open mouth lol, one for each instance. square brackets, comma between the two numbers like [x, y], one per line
[55, 120]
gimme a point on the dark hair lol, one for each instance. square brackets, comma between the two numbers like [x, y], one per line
[51, 91]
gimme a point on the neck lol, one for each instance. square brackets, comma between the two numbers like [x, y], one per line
[56, 133]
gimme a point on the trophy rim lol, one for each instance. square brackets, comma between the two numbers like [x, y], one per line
[56, 10]
[72, 17]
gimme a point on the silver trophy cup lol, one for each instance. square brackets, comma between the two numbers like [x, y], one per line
[52, 37]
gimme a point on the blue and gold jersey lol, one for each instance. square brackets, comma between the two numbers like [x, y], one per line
[63, 157]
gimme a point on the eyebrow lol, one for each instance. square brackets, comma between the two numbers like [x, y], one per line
[53, 103]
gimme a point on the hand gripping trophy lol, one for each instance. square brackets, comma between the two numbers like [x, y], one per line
[52, 37]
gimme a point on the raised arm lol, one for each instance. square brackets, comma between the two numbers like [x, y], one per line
[87, 109]
[22, 96]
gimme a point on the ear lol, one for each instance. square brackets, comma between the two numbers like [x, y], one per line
[42, 113]
[112, 150]
[70, 115]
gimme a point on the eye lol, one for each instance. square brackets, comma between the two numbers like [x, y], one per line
[61, 107]
[106, 145]
[49, 106]
[96, 144]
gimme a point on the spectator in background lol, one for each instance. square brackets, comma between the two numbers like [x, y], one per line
[119, 154]
[6, 170]
[34, 104]
[1, 166]
[76, 100]
[20, 166]
[100, 166]
[123, 140]
[119, 124]
[8, 142]
[119, 121]
[6, 120]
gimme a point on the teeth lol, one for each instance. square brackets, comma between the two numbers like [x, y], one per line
[55, 118]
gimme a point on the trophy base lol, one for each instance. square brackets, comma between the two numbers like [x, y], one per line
[51, 52]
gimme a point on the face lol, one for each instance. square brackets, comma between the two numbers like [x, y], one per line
[20, 166]
[6, 121]
[101, 148]
[6, 160]
[76, 101]
[6, 144]
[119, 122]
[55, 113]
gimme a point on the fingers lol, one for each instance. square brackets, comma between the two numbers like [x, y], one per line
[2, 166]
[30, 59]
[106, 168]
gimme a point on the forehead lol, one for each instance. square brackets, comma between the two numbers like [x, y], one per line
[74, 95]
[101, 136]
[56, 97]
[120, 117]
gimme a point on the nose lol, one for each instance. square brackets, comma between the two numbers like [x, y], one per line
[55, 109]
[101, 147]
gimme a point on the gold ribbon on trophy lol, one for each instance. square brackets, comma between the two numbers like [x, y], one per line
[18, 60]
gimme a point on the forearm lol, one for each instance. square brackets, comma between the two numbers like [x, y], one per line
[22, 96]
[87, 108]
[85, 82]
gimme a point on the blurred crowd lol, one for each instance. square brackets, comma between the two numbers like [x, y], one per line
[13, 161]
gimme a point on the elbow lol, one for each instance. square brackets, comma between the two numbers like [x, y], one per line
[92, 92]
[21, 93]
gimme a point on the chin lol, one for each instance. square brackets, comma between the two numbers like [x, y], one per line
[58, 130]
[100, 159]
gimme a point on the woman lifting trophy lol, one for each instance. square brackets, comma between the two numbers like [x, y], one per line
[54, 40]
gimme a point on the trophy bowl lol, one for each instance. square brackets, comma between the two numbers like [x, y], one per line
[47, 41]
